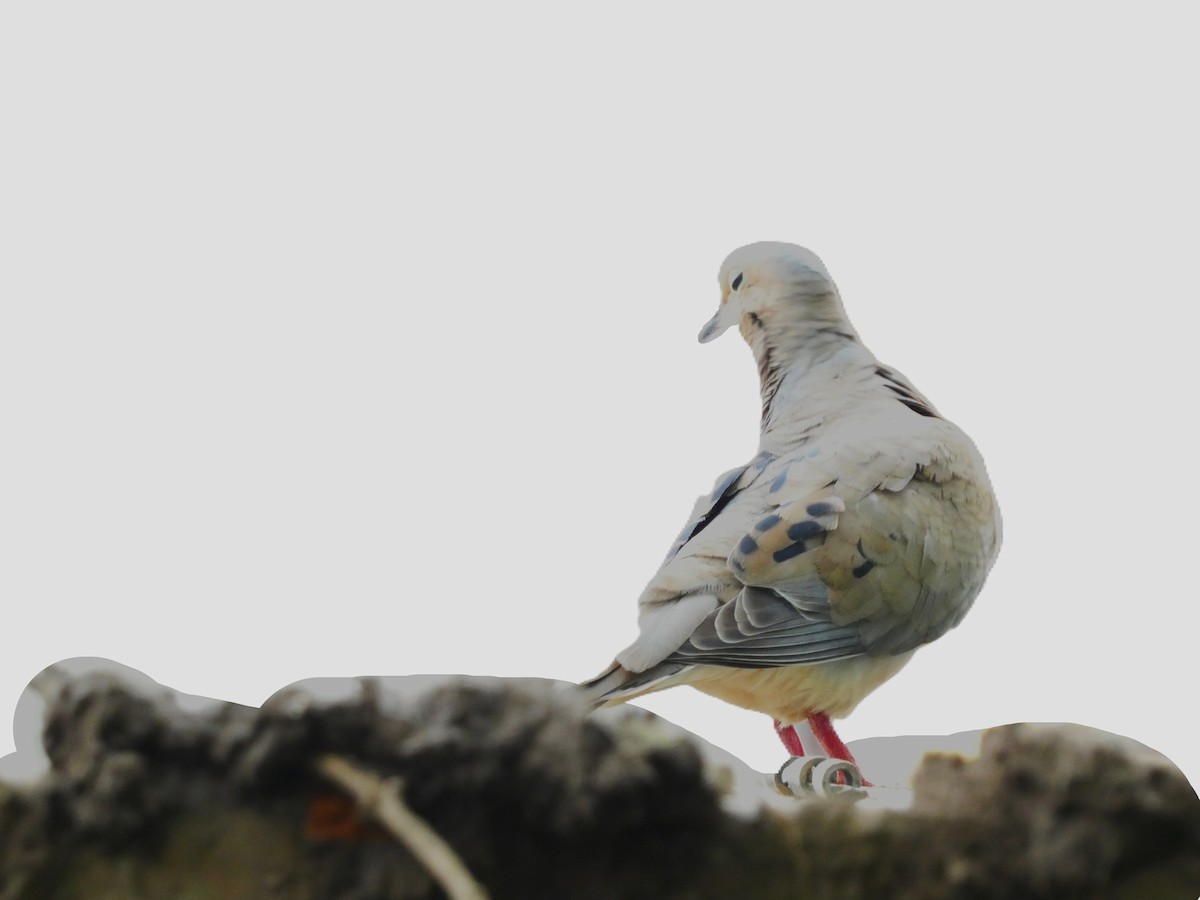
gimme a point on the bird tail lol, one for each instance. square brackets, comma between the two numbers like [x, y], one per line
[616, 684]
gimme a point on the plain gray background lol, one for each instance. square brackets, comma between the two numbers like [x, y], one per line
[345, 340]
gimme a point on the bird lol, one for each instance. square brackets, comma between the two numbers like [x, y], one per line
[863, 529]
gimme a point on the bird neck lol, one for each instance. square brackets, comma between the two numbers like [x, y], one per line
[793, 367]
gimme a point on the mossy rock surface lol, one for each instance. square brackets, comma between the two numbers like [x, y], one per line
[146, 801]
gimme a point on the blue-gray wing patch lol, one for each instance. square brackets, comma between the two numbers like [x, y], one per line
[762, 629]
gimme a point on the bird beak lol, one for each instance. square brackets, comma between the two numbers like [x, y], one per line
[727, 316]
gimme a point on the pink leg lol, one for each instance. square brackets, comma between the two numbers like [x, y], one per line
[791, 740]
[823, 729]
[828, 739]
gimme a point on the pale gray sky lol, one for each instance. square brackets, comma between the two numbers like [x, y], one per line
[345, 341]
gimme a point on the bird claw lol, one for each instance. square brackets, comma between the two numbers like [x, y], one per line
[818, 776]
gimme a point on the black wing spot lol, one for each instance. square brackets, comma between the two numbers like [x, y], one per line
[805, 529]
[920, 408]
[789, 552]
[747, 546]
[769, 522]
[902, 391]
[867, 564]
[818, 510]
[905, 394]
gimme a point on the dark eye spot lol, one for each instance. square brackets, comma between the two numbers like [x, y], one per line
[737, 282]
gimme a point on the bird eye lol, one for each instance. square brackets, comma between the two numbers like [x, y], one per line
[737, 282]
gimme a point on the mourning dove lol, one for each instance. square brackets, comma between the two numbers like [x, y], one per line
[864, 527]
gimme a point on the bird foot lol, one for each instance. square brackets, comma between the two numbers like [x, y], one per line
[819, 776]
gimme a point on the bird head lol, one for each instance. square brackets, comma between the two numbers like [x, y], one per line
[776, 292]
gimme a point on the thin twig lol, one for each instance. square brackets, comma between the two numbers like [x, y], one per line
[382, 799]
